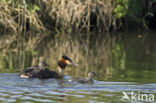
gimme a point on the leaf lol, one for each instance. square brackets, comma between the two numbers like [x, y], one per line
[33, 8]
[36, 8]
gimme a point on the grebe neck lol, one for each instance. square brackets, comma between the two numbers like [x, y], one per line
[89, 77]
[60, 71]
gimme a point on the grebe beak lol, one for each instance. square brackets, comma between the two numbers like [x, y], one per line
[75, 64]
[68, 61]
[71, 63]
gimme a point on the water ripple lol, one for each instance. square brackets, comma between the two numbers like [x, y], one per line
[15, 89]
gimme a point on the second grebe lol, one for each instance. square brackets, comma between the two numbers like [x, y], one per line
[40, 71]
[87, 80]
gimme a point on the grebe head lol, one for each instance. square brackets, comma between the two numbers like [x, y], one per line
[68, 60]
[43, 64]
[91, 74]
[64, 61]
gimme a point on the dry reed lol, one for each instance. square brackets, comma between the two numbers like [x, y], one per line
[80, 14]
[14, 16]
[58, 15]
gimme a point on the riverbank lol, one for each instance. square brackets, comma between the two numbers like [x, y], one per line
[64, 16]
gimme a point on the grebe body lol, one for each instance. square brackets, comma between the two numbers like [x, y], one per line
[40, 71]
[85, 80]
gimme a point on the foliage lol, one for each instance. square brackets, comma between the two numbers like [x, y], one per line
[135, 8]
[33, 8]
[121, 7]
[66, 16]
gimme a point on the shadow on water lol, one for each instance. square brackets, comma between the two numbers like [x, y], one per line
[123, 63]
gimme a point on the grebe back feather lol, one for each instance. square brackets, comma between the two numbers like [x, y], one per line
[40, 71]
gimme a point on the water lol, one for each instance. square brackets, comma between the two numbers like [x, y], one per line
[130, 69]
[15, 89]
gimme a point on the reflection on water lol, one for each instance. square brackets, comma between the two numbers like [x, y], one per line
[125, 63]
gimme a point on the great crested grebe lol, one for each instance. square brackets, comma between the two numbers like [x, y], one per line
[85, 80]
[40, 71]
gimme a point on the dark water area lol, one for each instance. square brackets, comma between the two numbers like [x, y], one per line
[125, 65]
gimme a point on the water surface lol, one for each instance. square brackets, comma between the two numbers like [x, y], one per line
[15, 89]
